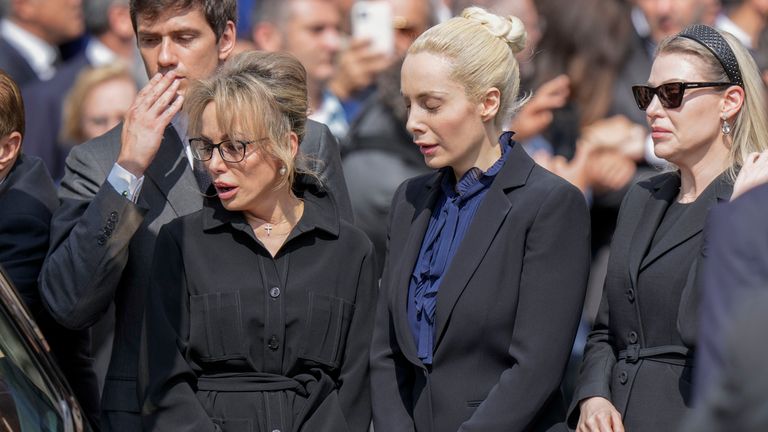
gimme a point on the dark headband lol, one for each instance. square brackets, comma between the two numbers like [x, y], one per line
[718, 46]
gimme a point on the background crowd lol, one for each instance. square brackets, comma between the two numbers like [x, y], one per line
[79, 70]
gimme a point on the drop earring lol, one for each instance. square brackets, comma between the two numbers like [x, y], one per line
[282, 170]
[726, 127]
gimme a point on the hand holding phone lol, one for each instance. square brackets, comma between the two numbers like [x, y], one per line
[372, 20]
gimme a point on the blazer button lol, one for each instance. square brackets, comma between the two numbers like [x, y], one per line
[631, 295]
[632, 337]
[273, 343]
[274, 292]
[623, 377]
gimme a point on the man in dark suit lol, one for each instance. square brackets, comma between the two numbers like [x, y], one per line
[738, 397]
[30, 33]
[119, 189]
[27, 201]
[735, 268]
[112, 41]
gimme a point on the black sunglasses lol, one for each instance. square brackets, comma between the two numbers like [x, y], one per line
[670, 94]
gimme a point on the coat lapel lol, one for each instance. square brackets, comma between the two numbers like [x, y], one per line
[417, 223]
[485, 225]
[171, 173]
[719, 190]
[661, 196]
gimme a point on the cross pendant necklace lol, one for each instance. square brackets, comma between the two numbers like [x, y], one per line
[268, 228]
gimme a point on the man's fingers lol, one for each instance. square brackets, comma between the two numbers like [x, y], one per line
[166, 97]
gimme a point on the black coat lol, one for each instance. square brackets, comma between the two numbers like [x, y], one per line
[507, 310]
[27, 201]
[248, 342]
[639, 352]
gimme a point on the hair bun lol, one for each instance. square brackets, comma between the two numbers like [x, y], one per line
[510, 29]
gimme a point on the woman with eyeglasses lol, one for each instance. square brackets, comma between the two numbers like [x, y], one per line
[704, 103]
[260, 312]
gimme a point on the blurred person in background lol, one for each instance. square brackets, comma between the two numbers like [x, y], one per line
[30, 33]
[97, 102]
[310, 31]
[704, 105]
[380, 153]
[112, 41]
[745, 19]
[27, 202]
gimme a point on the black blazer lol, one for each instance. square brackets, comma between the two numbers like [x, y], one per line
[633, 357]
[507, 310]
[27, 201]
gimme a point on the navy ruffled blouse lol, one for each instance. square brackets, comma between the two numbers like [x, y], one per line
[451, 218]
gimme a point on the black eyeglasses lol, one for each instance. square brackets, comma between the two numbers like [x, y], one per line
[670, 94]
[229, 150]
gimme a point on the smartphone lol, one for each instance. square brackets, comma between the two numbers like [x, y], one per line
[372, 19]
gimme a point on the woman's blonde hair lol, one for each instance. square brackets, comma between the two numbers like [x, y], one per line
[257, 95]
[72, 131]
[750, 130]
[481, 47]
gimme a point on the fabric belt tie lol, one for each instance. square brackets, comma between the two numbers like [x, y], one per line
[251, 382]
[634, 353]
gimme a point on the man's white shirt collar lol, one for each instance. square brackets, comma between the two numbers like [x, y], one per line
[40, 55]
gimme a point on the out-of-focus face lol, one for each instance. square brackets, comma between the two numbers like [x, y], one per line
[59, 20]
[183, 42]
[241, 186]
[667, 17]
[444, 123]
[684, 135]
[312, 35]
[411, 19]
[105, 106]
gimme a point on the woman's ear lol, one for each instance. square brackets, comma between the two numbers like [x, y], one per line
[294, 140]
[732, 101]
[489, 105]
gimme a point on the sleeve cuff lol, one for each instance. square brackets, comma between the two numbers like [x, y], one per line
[125, 183]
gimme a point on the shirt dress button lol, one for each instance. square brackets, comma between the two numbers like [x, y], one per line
[274, 292]
[632, 337]
[623, 377]
[273, 343]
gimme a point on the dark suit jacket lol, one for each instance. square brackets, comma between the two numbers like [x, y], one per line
[27, 201]
[651, 391]
[15, 65]
[102, 246]
[43, 106]
[507, 310]
[738, 397]
[735, 268]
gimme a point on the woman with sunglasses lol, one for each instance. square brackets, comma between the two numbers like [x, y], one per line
[260, 312]
[704, 105]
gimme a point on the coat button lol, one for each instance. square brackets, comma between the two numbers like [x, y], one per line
[275, 430]
[623, 377]
[632, 337]
[113, 216]
[273, 343]
[631, 295]
[274, 292]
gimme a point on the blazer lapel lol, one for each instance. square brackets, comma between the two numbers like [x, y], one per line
[171, 173]
[693, 223]
[417, 223]
[484, 227]
[662, 195]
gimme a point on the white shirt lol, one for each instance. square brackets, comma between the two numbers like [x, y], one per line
[722, 22]
[40, 55]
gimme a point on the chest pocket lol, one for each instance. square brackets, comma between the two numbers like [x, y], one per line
[215, 325]
[328, 323]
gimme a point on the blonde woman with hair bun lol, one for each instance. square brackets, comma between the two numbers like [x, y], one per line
[474, 328]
